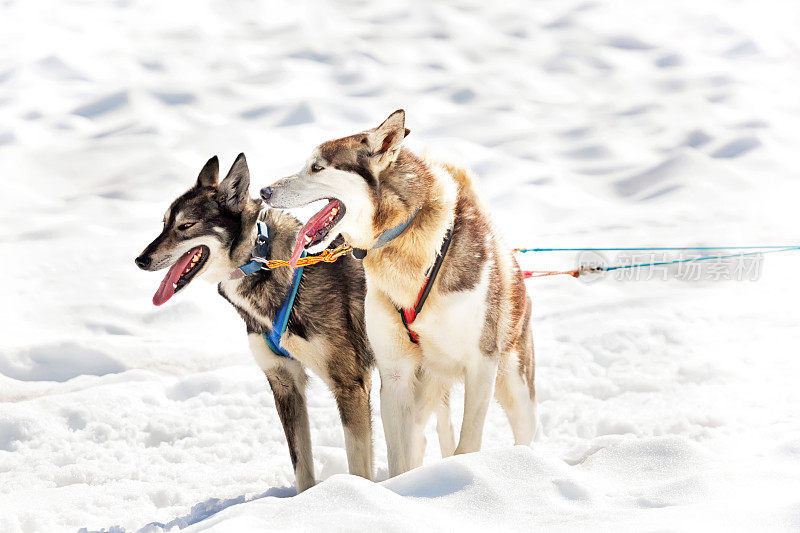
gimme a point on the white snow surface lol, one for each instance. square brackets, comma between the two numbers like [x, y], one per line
[665, 404]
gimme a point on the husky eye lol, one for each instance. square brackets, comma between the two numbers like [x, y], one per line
[186, 225]
[316, 168]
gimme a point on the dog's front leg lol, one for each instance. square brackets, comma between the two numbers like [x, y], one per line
[287, 378]
[397, 413]
[397, 368]
[351, 388]
[288, 388]
[478, 388]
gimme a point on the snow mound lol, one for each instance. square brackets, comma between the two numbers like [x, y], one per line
[617, 487]
[479, 491]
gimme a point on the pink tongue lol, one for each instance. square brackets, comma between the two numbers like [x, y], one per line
[165, 290]
[311, 227]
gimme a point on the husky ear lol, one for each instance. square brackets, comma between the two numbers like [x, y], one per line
[210, 174]
[384, 141]
[233, 190]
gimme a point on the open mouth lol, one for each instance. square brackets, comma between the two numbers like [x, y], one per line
[181, 273]
[317, 228]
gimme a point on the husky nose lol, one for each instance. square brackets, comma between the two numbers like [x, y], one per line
[143, 261]
[266, 193]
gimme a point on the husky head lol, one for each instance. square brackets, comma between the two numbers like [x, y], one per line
[350, 174]
[200, 228]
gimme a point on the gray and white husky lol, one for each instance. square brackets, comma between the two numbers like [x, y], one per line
[209, 231]
[403, 212]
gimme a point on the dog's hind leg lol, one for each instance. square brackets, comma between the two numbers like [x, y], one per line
[478, 387]
[432, 396]
[515, 389]
[517, 399]
[351, 390]
[429, 393]
[287, 378]
[444, 426]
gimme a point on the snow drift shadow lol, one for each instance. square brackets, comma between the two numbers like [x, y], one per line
[212, 506]
[59, 362]
[201, 511]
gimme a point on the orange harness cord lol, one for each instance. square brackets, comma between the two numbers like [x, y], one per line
[328, 256]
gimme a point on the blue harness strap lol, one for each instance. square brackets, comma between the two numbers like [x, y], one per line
[273, 338]
[258, 261]
[385, 237]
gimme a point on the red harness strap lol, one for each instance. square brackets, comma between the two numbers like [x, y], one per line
[408, 316]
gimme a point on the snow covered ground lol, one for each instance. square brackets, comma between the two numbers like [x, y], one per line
[665, 404]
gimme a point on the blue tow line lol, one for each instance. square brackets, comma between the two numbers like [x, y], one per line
[756, 251]
[658, 249]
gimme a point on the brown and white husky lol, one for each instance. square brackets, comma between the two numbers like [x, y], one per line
[409, 217]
